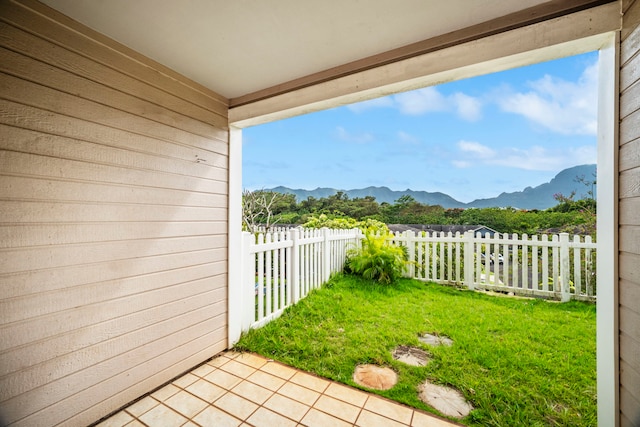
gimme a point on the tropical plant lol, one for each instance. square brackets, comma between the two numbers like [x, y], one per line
[376, 259]
[367, 226]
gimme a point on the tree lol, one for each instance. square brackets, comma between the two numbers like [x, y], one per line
[258, 209]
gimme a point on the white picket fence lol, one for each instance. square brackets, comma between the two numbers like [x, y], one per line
[553, 267]
[281, 267]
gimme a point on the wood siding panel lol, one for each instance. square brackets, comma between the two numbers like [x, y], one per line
[630, 60]
[628, 267]
[630, 239]
[113, 221]
[630, 127]
[629, 217]
[630, 155]
[630, 211]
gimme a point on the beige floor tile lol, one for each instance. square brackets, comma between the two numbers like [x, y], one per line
[389, 409]
[223, 379]
[310, 381]
[369, 419]
[205, 390]
[315, 418]
[119, 419]
[251, 359]
[185, 380]
[190, 424]
[214, 417]
[235, 405]
[337, 408]
[287, 407]
[203, 370]
[238, 369]
[232, 354]
[142, 406]
[282, 371]
[266, 418]
[165, 392]
[347, 394]
[299, 393]
[253, 392]
[425, 420]
[216, 362]
[162, 416]
[186, 403]
[266, 380]
[135, 423]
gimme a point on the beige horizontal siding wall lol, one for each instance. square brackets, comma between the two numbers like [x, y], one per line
[113, 221]
[629, 165]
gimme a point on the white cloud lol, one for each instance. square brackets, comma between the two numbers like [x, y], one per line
[561, 106]
[370, 104]
[467, 107]
[461, 164]
[429, 99]
[533, 158]
[421, 101]
[476, 149]
[407, 138]
[359, 138]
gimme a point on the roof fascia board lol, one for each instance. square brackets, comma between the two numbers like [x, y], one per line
[566, 35]
[529, 16]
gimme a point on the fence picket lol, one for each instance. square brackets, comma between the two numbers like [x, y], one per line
[545, 265]
[514, 251]
[534, 263]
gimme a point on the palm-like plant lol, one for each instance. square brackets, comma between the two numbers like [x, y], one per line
[377, 260]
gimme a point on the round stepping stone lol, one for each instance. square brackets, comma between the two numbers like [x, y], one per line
[411, 355]
[375, 377]
[446, 400]
[435, 340]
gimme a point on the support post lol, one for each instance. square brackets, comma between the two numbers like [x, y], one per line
[248, 282]
[235, 255]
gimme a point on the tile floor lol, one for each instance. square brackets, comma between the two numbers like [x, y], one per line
[248, 390]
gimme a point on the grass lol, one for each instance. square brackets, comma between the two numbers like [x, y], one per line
[519, 362]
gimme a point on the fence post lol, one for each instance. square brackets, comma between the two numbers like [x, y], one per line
[326, 255]
[565, 290]
[468, 260]
[247, 282]
[295, 264]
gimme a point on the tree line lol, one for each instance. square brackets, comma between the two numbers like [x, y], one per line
[269, 208]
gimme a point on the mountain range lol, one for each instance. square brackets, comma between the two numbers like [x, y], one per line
[540, 197]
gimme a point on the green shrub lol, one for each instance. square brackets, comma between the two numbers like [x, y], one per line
[368, 225]
[377, 260]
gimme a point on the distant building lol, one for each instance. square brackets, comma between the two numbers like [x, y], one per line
[439, 227]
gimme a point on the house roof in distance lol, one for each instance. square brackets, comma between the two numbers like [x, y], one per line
[440, 228]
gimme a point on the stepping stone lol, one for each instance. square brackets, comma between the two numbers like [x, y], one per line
[446, 400]
[411, 355]
[435, 340]
[375, 377]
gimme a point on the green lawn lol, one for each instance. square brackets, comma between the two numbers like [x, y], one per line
[520, 362]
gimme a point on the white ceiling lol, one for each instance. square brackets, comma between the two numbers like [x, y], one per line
[236, 47]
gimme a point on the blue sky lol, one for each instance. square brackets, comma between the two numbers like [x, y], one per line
[471, 139]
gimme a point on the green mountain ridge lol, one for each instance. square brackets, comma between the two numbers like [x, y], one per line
[539, 197]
